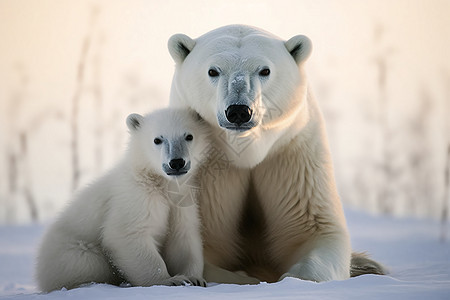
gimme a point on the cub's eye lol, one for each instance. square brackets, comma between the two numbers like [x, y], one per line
[189, 137]
[157, 141]
[264, 72]
[213, 73]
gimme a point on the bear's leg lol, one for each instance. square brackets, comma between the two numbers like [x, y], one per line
[327, 258]
[183, 250]
[69, 263]
[224, 189]
[305, 226]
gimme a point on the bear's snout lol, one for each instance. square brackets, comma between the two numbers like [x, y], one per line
[177, 164]
[176, 167]
[238, 114]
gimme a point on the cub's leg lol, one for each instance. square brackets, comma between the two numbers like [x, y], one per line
[139, 260]
[133, 234]
[183, 251]
[65, 261]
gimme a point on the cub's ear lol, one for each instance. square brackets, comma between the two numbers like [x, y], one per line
[180, 45]
[299, 47]
[134, 121]
[195, 115]
[198, 117]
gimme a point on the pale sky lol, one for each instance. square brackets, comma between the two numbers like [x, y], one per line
[41, 42]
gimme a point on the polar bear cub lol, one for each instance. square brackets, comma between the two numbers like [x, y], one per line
[139, 222]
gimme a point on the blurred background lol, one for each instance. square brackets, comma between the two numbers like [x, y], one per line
[71, 71]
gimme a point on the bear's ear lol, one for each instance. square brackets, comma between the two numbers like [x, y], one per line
[134, 121]
[299, 47]
[180, 45]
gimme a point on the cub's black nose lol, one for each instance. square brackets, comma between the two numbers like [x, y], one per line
[238, 114]
[177, 164]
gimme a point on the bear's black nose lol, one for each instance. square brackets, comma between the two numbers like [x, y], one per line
[177, 164]
[238, 114]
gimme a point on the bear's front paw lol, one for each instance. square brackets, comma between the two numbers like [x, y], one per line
[288, 274]
[302, 271]
[198, 281]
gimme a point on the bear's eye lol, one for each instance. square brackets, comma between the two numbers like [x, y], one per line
[189, 137]
[264, 72]
[213, 73]
[157, 141]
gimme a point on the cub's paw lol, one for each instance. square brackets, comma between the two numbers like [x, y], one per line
[198, 281]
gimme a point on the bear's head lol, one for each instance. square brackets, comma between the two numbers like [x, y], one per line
[168, 142]
[247, 83]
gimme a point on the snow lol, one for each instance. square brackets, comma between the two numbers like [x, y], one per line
[418, 261]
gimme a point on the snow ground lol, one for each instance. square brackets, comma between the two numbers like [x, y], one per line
[419, 267]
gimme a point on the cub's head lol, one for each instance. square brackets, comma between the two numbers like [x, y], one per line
[169, 142]
[240, 77]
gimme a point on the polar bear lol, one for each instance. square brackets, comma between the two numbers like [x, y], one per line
[269, 206]
[139, 222]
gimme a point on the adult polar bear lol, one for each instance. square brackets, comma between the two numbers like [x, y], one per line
[269, 204]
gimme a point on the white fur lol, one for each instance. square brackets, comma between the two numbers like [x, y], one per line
[125, 225]
[269, 205]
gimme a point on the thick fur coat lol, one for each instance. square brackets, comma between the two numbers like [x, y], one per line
[269, 203]
[138, 223]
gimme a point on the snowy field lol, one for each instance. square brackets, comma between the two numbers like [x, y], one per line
[419, 267]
